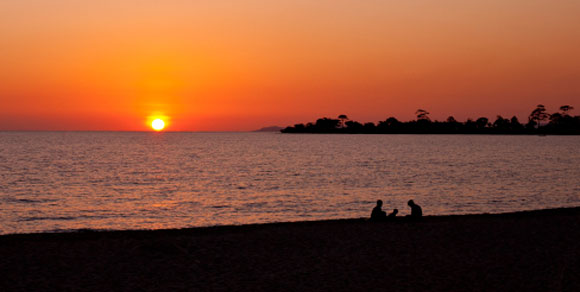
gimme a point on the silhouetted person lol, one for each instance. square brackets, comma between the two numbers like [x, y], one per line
[416, 211]
[378, 214]
[393, 214]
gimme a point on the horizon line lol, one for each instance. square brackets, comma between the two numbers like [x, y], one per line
[124, 131]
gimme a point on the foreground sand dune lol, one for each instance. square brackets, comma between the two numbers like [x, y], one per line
[526, 251]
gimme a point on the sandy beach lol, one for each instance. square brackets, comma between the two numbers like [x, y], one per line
[524, 251]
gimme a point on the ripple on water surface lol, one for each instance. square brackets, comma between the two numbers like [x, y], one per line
[99, 180]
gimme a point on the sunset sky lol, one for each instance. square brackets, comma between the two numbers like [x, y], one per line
[242, 65]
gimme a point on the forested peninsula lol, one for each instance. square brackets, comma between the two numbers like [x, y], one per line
[539, 122]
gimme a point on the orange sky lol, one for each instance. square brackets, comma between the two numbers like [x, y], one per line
[241, 65]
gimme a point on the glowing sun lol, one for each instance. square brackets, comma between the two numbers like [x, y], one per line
[158, 124]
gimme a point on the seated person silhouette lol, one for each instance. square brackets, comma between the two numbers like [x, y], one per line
[393, 214]
[378, 214]
[416, 211]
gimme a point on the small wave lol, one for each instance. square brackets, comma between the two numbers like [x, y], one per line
[58, 218]
[82, 230]
[30, 201]
[27, 201]
[219, 206]
[47, 218]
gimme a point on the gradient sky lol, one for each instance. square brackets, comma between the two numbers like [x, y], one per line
[241, 65]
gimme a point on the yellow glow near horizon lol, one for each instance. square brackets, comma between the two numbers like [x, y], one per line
[158, 124]
[208, 66]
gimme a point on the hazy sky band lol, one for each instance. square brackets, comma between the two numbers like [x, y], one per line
[241, 65]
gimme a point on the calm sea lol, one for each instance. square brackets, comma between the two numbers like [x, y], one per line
[55, 181]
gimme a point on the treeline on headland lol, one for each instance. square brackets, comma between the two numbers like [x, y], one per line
[540, 122]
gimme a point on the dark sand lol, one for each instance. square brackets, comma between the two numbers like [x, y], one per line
[527, 251]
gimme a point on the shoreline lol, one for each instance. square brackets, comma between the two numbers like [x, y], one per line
[521, 251]
[398, 219]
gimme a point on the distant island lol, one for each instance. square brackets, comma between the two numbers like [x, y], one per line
[540, 122]
[269, 129]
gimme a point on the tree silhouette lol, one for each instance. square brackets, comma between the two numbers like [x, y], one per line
[501, 125]
[422, 115]
[391, 121]
[538, 114]
[354, 127]
[369, 127]
[560, 123]
[481, 123]
[470, 126]
[556, 118]
[515, 125]
[342, 119]
[390, 125]
[327, 125]
[565, 109]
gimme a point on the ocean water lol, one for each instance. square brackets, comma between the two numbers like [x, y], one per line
[56, 181]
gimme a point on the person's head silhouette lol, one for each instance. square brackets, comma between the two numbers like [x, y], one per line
[411, 203]
[395, 211]
[379, 203]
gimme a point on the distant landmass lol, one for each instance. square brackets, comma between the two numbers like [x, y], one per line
[269, 129]
[540, 122]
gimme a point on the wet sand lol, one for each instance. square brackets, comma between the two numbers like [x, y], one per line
[525, 251]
